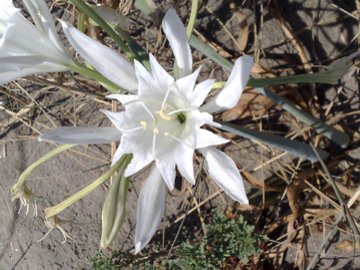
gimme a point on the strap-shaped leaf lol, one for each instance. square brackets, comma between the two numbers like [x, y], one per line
[337, 136]
[294, 147]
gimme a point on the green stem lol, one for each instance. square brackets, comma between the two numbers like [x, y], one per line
[193, 14]
[83, 70]
[36, 164]
[83, 7]
[54, 210]
[81, 22]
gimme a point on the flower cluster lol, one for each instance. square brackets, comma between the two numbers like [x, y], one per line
[164, 118]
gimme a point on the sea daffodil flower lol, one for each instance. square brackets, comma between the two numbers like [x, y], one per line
[162, 121]
[25, 48]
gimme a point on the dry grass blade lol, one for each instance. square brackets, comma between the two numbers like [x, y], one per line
[346, 210]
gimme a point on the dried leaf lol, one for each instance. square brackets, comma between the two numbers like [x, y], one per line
[347, 245]
[250, 104]
[242, 40]
[253, 181]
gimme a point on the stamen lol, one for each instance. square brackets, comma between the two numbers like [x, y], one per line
[163, 115]
[155, 131]
[166, 97]
[189, 109]
[143, 124]
[134, 129]
[148, 111]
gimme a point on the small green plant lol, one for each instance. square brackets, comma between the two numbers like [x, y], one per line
[227, 240]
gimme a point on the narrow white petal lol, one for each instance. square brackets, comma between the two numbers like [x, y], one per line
[38, 9]
[205, 138]
[159, 73]
[10, 75]
[179, 42]
[224, 172]
[200, 92]
[166, 166]
[81, 135]
[235, 85]
[150, 209]
[186, 84]
[123, 99]
[117, 118]
[184, 161]
[108, 62]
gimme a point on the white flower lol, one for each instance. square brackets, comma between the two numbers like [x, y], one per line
[26, 48]
[162, 121]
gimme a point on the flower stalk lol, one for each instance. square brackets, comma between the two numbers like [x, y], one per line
[25, 174]
[54, 210]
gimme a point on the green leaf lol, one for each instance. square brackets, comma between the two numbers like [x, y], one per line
[337, 136]
[294, 147]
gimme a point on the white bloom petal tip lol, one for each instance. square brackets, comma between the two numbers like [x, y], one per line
[179, 42]
[229, 96]
[223, 171]
[150, 209]
[138, 247]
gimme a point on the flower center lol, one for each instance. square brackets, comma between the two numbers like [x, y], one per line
[181, 117]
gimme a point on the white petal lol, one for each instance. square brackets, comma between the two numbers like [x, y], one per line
[150, 209]
[123, 99]
[44, 21]
[186, 84]
[159, 73]
[81, 135]
[137, 163]
[139, 144]
[166, 166]
[108, 62]
[38, 9]
[202, 118]
[205, 138]
[117, 118]
[146, 83]
[224, 172]
[6, 3]
[235, 85]
[23, 71]
[25, 50]
[184, 161]
[200, 92]
[179, 42]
